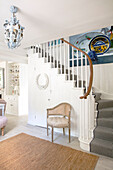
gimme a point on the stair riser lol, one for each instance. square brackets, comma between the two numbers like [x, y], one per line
[80, 84]
[71, 77]
[105, 114]
[101, 150]
[104, 135]
[106, 123]
[97, 96]
[105, 105]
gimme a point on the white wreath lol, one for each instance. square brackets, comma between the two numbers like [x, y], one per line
[42, 81]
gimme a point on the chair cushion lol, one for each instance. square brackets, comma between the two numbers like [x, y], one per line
[58, 122]
[3, 121]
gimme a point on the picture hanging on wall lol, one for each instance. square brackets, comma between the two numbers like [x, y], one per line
[86, 42]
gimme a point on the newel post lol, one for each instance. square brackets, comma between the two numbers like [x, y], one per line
[87, 120]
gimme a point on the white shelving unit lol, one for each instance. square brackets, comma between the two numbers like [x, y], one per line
[13, 70]
[16, 89]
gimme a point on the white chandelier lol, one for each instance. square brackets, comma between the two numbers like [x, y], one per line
[13, 30]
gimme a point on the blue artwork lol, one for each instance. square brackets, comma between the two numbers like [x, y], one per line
[100, 44]
[82, 41]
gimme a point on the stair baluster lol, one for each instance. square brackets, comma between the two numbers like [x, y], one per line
[64, 59]
[77, 70]
[81, 70]
[57, 56]
[68, 62]
[86, 75]
[73, 64]
[60, 56]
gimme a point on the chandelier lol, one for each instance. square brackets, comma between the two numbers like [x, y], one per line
[13, 30]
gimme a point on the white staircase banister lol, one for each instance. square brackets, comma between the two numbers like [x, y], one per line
[91, 69]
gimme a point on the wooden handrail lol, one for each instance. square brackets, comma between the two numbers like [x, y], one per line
[91, 69]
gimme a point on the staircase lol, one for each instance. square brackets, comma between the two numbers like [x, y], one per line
[74, 66]
[77, 68]
[103, 133]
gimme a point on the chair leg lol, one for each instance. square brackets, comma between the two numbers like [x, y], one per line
[64, 131]
[2, 131]
[69, 134]
[52, 134]
[47, 130]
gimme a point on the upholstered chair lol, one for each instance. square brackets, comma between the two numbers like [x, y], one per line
[59, 117]
[3, 122]
[2, 102]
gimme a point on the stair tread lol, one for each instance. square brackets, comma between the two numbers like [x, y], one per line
[102, 143]
[106, 109]
[105, 122]
[104, 103]
[97, 96]
[96, 93]
[104, 100]
[104, 129]
[106, 119]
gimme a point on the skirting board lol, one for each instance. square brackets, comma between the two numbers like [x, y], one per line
[58, 130]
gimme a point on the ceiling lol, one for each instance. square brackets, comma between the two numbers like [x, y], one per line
[49, 19]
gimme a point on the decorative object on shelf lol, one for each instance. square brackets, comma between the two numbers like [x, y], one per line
[100, 44]
[13, 87]
[42, 81]
[13, 30]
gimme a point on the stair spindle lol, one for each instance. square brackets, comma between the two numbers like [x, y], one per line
[77, 70]
[86, 76]
[72, 63]
[53, 53]
[50, 51]
[81, 70]
[47, 50]
[61, 56]
[64, 58]
[57, 54]
[68, 62]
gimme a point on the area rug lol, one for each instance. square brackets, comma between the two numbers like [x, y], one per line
[25, 152]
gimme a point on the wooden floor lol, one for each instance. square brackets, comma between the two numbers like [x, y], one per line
[18, 125]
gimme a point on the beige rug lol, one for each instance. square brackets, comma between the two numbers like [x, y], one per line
[25, 152]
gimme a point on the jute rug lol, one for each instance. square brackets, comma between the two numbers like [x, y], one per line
[25, 152]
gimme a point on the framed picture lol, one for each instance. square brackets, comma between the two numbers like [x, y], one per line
[2, 84]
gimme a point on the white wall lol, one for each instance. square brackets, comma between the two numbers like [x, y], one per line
[57, 91]
[103, 79]
[23, 97]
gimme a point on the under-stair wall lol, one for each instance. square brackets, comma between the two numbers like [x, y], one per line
[69, 78]
[58, 91]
